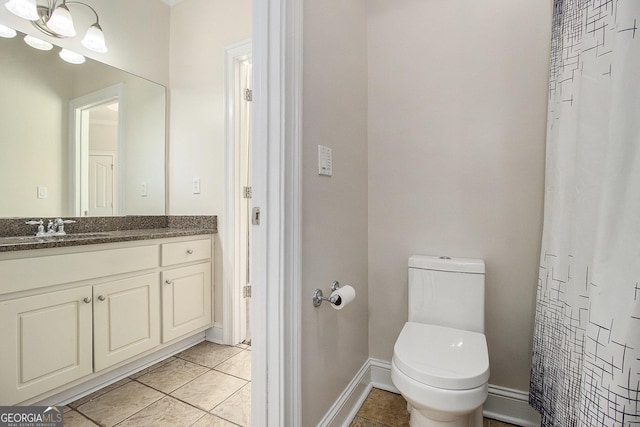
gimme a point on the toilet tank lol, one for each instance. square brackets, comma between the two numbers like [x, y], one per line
[447, 292]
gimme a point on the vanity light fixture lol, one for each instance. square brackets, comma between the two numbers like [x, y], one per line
[36, 43]
[55, 20]
[7, 32]
[71, 57]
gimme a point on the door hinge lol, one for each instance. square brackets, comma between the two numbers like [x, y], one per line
[246, 291]
[248, 95]
[246, 192]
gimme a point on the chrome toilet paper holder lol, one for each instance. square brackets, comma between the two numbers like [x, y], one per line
[318, 296]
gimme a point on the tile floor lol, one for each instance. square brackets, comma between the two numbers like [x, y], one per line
[208, 385]
[384, 409]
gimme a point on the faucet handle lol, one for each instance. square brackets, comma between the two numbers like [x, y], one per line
[68, 221]
[40, 225]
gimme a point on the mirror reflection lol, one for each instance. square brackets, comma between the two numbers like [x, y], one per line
[78, 140]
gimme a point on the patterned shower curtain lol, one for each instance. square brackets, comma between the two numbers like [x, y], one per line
[586, 355]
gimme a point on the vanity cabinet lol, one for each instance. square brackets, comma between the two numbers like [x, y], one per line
[96, 308]
[186, 290]
[46, 342]
[126, 319]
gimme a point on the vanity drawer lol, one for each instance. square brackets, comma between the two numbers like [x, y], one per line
[181, 252]
[32, 273]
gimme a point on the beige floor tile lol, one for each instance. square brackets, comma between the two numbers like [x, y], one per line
[238, 365]
[166, 412]
[172, 375]
[213, 421]
[209, 390]
[98, 393]
[386, 408]
[119, 404]
[244, 346]
[76, 419]
[209, 354]
[236, 408]
[151, 368]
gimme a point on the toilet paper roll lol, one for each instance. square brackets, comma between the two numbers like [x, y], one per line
[342, 297]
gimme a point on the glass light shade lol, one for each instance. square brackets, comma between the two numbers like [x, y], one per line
[36, 43]
[23, 8]
[7, 32]
[71, 57]
[94, 39]
[61, 22]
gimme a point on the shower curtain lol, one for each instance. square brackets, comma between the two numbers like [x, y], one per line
[586, 355]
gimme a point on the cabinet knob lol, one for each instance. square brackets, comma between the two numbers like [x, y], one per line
[87, 300]
[189, 251]
[102, 298]
[168, 282]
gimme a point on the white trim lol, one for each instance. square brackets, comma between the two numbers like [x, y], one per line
[100, 381]
[503, 404]
[275, 250]
[78, 176]
[345, 408]
[510, 406]
[230, 294]
[215, 334]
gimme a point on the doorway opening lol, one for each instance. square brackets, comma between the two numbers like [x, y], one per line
[237, 230]
[96, 153]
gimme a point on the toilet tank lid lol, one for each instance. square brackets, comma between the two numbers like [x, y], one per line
[443, 263]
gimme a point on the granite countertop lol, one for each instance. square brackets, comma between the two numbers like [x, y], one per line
[174, 227]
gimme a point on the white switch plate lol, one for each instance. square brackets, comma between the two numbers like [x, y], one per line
[143, 189]
[42, 192]
[196, 185]
[324, 161]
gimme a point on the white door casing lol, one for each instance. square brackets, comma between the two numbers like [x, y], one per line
[275, 252]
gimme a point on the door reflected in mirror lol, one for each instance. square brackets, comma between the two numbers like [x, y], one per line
[78, 140]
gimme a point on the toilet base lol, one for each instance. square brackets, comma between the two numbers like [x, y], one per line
[439, 419]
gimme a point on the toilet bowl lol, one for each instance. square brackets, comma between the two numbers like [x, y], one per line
[442, 373]
[440, 359]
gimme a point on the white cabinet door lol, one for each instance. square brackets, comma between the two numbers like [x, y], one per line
[186, 300]
[126, 319]
[45, 342]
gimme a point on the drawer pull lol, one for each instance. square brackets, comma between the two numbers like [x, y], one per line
[168, 282]
[87, 300]
[102, 298]
[189, 251]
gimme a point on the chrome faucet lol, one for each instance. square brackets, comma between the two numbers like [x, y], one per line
[56, 227]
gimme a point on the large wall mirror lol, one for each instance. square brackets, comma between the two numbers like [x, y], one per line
[78, 140]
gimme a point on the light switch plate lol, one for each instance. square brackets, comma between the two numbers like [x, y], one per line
[42, 192]
[325, 161]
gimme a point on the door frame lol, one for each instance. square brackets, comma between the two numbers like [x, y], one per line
[276, 242]
[79, 145]
[231, 290]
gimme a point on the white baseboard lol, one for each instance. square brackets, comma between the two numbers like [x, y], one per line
[85, 387]
[344, 410]
[215, 334]
[503, 404]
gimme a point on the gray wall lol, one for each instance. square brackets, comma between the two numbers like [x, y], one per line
[457, 113]
[334, 210]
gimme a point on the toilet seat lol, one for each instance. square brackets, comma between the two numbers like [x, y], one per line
[442, 357]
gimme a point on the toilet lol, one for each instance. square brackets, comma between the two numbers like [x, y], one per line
[440, 360]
